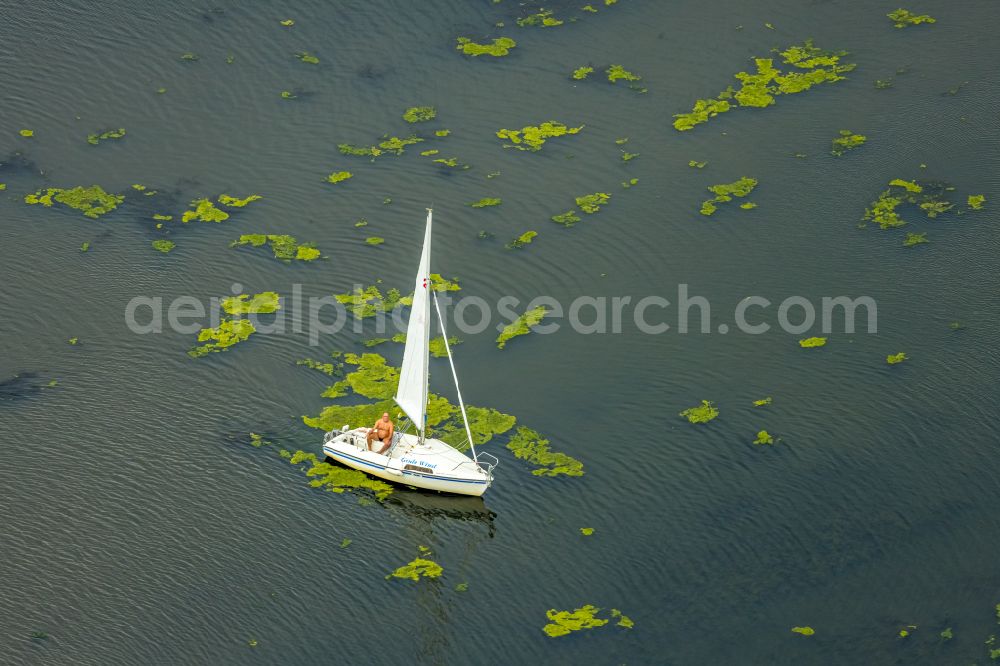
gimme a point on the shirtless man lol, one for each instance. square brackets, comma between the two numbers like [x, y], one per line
[382, 430]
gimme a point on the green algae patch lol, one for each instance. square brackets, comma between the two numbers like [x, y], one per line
[618, 73]
[442, 132]
[846, 141]
[439, 283]
[339, 176]
[486, 203]
[624, 621]
[763, 402]
[696, 165]
[263, 303]
[373, 378]
[915, 239]
[236, 202]
[809, 66]
[189, 57]
[976, 201]
[97, 137]
[702, 413]
[369, 301]
[306, 252]
[417, 569]
[164, 245]
[567, 219]
[328, 369]
[883, 211]
[396, 145]
[704, 109]
[358, 151]
[908, 185]
[904, 18]
[529, 445]
[419, 114]
[929, 198]
[581, 73]
[437, 348]
[307, 57]
[500, 47]
[428, 153]
[764, 437]
[804, 631]
[893, 359]
[591, 203]
[26, 133]
[374, 240]
[542, 19]
[339, 479]
[204, 210]
[228, 333]
[92, 201]
[725, 192]
[451, 162]
[288, 23]
[284, 247]
[563, 623]
[586, 531]
[524, 239]
[533, 137]
[485, 423]
[389, 144]
[522, 325]
[258, 441]
[333, 417]
[809, 343]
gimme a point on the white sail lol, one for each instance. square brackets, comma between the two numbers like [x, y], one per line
[411, 395]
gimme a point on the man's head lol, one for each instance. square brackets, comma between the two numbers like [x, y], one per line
[385, 416]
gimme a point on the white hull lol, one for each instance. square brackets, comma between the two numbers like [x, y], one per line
[432, 465]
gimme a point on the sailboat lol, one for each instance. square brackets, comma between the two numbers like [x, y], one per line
[416, 459]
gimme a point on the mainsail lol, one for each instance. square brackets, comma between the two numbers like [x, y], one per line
[411, 395]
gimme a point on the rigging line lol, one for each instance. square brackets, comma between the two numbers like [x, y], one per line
[454, 375]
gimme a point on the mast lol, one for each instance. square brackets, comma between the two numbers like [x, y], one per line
[454, 375]
[425, 268]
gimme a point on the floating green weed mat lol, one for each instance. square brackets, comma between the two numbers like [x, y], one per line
[809, 66]
[498, 48]
[92, 201]
[284, 247]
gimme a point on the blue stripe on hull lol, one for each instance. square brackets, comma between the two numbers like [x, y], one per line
[405, 472]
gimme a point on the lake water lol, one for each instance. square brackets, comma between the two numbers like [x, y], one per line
[137, 526]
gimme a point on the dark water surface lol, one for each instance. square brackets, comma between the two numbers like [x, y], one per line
[135, 527]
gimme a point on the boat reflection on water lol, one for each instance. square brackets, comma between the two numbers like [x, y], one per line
[430, 505]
